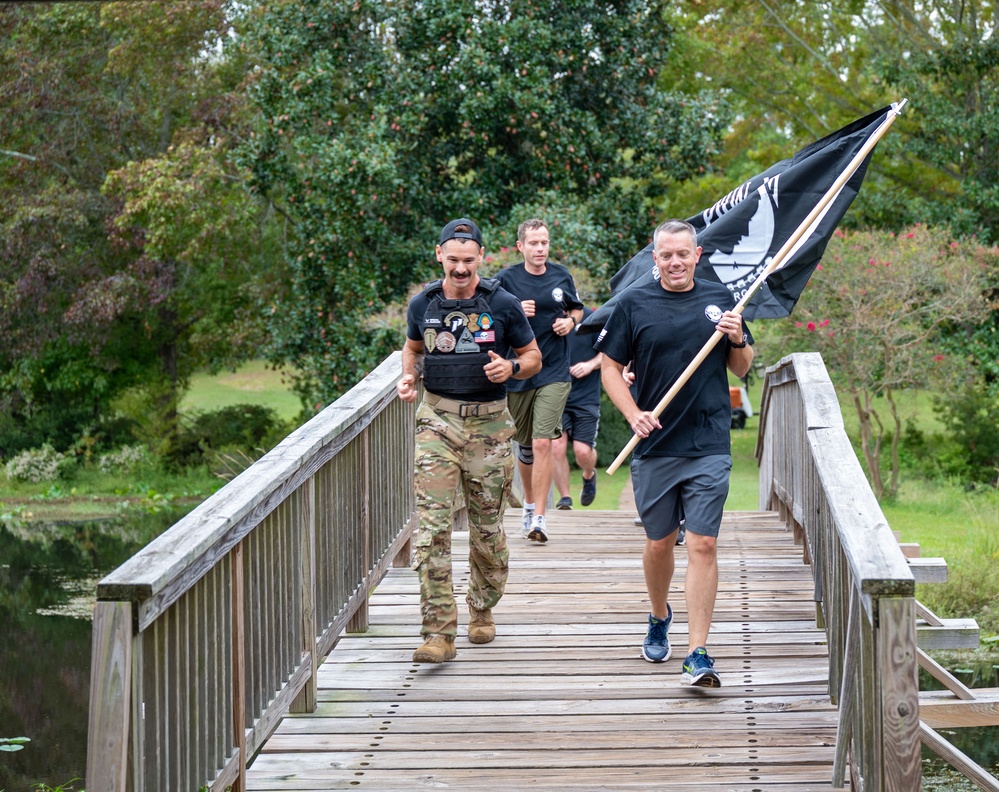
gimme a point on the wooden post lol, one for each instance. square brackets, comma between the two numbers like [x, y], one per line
[359, 621]
[844, 728]
[305, 701]
[898, 679]
[238, 666]
[110, 697]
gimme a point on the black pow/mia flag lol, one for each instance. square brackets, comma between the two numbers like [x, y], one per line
[741, 233]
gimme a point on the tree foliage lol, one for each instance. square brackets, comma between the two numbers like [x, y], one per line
[127, 245]
[383, 119]
[880, 310]
[808, 67]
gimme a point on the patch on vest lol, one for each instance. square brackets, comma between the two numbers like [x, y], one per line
[466, 343]
[445, 342]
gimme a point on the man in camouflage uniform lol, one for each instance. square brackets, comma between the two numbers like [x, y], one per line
[466, 337]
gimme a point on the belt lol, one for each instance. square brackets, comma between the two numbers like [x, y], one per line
[464, 409]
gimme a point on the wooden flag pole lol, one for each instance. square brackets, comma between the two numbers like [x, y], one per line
[804, 227]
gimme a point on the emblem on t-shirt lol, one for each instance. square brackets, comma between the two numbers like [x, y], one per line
[445, 341]
[557, 294]
[714, 313]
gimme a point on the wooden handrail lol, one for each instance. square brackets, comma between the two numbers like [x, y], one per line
[209, 634]
[864, 588]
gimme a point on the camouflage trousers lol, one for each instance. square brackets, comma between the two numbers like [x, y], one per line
[470, 456]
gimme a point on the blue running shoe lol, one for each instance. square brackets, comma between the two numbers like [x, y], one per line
[589, 491]
[699, 670]
[656, 648]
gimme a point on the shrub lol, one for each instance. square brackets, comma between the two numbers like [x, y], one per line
[40, 464]
[123, 460]
[249, 427]
[971, 416]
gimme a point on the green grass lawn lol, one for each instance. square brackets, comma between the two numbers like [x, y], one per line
[251, 383]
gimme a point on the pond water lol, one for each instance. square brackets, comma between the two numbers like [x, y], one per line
[48, 573]
[981, 744]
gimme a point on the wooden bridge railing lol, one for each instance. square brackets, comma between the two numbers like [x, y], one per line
[864, 588]
[214, 630]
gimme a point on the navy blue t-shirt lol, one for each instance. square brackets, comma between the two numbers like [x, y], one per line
[585, 394]
[554, 293]
[505, 325]
[661, 332]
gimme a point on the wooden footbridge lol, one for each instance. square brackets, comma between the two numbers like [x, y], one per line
[265, 641]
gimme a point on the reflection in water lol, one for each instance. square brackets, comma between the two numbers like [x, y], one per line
[48, 574]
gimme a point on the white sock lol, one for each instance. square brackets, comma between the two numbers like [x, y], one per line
[528, 508]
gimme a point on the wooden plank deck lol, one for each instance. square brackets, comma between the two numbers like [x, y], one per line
[562, 700]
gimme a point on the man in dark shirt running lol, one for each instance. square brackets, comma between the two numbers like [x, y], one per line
[681, 466]
[467, 338]
[547, 293]
[580, 421]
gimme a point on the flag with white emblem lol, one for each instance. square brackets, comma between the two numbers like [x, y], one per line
[742, 232]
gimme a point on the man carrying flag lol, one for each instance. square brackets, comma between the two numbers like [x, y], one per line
[682, 463]
[756, 248]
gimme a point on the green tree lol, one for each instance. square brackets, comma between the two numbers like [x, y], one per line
[808, 67]
[192, 282]
[382, 119]
[113, 283]
[880, 310]
[52, 97]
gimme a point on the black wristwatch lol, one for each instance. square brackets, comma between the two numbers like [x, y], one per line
[516, 368]
[739, 346]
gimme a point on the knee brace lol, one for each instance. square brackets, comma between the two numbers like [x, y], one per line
[525, 454]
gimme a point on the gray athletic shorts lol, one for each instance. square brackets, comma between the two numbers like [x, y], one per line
[670, 489]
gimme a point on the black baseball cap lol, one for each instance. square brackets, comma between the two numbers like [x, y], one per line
[448, 232]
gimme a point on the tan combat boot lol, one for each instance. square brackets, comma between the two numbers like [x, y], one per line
[481, 627]
[436, 649]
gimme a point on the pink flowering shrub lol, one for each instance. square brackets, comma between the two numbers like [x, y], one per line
[877, 311]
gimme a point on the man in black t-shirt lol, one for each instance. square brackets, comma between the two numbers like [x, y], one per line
[680, 468]
[580, 420]
[466, 337]
[548, 295]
